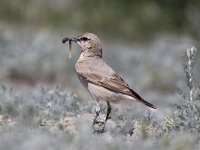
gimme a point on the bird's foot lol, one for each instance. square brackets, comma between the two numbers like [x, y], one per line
[98, 126]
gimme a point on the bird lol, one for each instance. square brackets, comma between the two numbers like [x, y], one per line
[99, 79]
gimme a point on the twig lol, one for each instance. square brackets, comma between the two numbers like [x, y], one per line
[188, 68]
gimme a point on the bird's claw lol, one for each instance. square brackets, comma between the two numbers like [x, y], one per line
[98, 127]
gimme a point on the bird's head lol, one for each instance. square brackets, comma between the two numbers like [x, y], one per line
[88, 42]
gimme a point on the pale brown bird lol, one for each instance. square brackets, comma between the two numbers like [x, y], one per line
[100, 80]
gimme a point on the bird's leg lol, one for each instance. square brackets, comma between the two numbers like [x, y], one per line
[97, 113]
[108, 113]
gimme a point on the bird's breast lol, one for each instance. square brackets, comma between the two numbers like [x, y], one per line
[83, 81]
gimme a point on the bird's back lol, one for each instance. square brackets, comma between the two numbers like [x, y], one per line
[94, 65]
[96, 71]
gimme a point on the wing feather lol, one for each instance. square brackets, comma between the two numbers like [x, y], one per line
[101, 74]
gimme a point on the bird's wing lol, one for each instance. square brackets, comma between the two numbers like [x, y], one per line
[99, 73]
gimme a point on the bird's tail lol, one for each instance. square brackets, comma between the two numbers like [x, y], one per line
[141, 100]
[147, 103]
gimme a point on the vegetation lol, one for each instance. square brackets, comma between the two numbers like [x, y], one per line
[130, 20]
[42, 104]
[52, 118]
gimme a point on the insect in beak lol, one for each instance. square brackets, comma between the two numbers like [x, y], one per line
[70, 40]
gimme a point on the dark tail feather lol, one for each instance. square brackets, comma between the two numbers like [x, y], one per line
[140, 99]
[147, 103]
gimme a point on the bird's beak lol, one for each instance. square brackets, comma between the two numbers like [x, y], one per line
[70, 39]
[74, 39]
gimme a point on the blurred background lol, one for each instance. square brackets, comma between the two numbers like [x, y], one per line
[143, 40]
[44, 106]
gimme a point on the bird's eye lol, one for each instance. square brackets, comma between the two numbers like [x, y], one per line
[84, 39]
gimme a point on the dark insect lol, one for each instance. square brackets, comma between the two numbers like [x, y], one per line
[70, 46]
